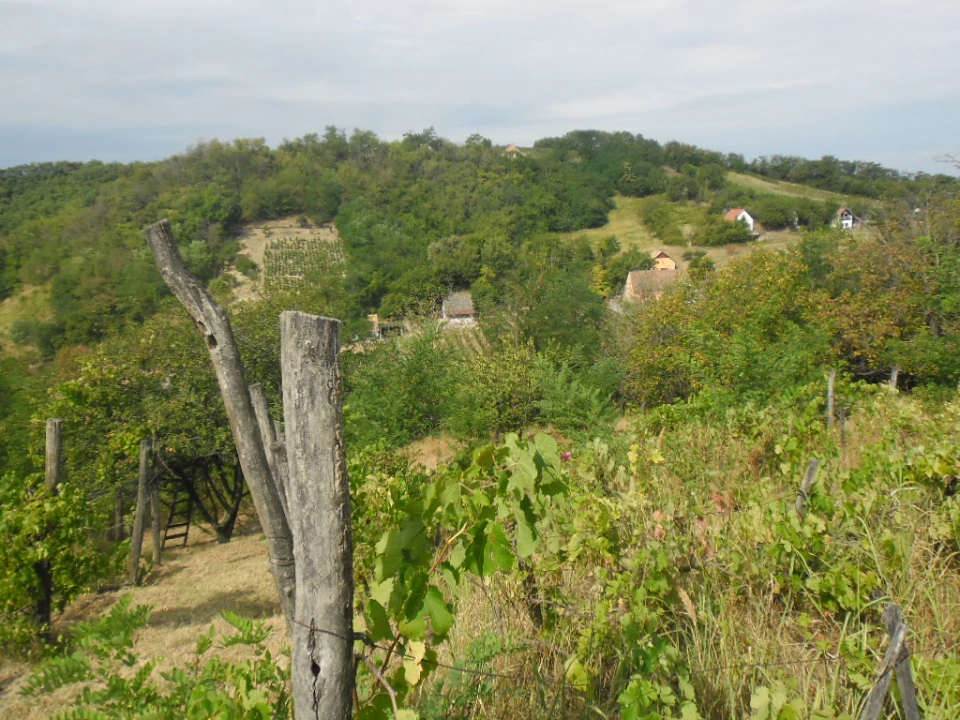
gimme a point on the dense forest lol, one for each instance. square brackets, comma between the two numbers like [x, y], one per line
[721, 380]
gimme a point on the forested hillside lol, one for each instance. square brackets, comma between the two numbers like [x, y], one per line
[617, 515]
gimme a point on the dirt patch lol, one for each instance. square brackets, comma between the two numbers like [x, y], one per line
[432, 452]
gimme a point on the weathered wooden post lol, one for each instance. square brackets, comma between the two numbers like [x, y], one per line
[809, 477]
[155, 519]
[896, 660]
[53, 460]
[214, 325]
[276, 459]
[830, 383]
[118, 534]
[320, 506]
[894, 376]
[53, 476]
[143, 489]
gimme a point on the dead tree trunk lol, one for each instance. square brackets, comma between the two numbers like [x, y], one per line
[53, 476]
[139, 518]
[319, 496]
[213, 324]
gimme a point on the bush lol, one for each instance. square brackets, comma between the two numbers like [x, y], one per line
[569, 400]
[396, 389]
[247, 266]
[658, 215]
[716, 231]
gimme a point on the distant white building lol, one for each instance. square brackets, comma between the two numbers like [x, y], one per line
[738, 215]
[846, 220]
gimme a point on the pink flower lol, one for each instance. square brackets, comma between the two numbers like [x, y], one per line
[566, 456]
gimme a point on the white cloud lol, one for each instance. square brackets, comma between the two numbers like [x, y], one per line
[511, 69]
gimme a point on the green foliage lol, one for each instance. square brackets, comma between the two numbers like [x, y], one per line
[396, 390]
[208, 687]
[488, 513]
[716, 231]
[657, 214]
[39, 526]
[619, 266]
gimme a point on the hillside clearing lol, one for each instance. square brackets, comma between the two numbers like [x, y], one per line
[624, 222]
[259, 239]
[779, 187]
[31, 303]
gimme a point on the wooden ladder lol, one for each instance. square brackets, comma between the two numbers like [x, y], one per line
[178, 522]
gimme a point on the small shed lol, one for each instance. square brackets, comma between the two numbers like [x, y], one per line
[512, 151]
[740, 215]
[662, 261]
[458, 307]
[648, 284]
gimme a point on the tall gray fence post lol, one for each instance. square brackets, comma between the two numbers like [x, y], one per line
[320, 509]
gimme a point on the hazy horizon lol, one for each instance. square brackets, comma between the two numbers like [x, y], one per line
[110, 80]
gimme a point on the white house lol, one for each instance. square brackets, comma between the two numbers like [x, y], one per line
[847, 220]
[739, 214]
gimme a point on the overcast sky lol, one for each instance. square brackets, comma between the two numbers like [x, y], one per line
[143, 79]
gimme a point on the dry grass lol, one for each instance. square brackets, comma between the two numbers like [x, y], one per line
[432, 452]
[624, 222]
[187, 594]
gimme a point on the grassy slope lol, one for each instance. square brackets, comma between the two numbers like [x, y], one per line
[31, 302]
[729, 625]
[625, 223]
[784, 188]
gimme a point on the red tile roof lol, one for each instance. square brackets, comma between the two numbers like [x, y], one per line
[734, 214]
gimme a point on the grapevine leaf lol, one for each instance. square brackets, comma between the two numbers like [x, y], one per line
[440, 616]
[391, 555]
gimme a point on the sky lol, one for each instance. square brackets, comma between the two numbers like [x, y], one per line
[130, 80]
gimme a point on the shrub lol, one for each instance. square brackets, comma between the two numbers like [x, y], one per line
[658, 215]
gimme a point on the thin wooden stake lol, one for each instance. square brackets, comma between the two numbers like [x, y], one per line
[143, 489]
[843, 428]
[276, 460]
[319, 498]
[118, 519]
[893, 618]
[809, 477]
[894, 376]
[830, 383]
[53, 476]
[53, 470]
[896, 660]
[155, 518]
